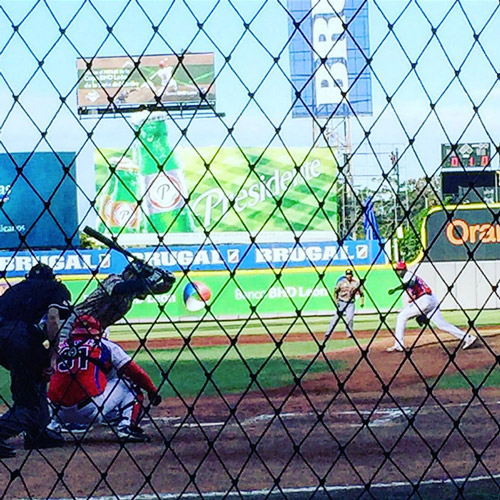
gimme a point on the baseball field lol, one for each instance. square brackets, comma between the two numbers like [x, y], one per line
[265, 408]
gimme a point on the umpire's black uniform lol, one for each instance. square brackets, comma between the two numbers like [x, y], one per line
[22, 352]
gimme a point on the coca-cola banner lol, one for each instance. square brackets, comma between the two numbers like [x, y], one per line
[212, 194]
[467, 232]
[37, 200]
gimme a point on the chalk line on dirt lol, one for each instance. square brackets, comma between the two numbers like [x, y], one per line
[287, 491]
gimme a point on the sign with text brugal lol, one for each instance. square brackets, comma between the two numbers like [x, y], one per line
[181, 258]
[328, 58]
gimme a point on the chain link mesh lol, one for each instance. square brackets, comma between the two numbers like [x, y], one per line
[256, 402]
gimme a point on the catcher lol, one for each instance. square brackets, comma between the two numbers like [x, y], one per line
[82, 393]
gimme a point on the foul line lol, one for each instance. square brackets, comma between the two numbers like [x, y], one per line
[286, 491]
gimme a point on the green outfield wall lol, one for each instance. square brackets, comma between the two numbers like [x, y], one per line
[256, 293]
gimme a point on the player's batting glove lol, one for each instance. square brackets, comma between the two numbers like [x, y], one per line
[421, 320]
[154, 398]
[160, 281]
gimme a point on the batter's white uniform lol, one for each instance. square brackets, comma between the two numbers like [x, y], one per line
[421, 302]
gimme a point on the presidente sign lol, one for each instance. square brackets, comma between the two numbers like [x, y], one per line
[232, 191]
[473, 232]
[329, 49]
[136, 81]
[204, 258]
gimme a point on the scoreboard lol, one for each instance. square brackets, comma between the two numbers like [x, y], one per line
[466, 156]
[467, 175]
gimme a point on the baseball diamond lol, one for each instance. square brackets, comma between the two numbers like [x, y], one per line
[249, 250]
[311, 436]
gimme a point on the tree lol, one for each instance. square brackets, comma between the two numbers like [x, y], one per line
[405, 207]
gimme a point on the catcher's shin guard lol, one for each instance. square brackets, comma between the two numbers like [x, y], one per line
[137, 409]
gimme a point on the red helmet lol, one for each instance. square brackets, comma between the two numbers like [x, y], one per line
[86, 325]
[400, 266]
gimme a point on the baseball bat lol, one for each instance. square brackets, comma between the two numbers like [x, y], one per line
[109, 243]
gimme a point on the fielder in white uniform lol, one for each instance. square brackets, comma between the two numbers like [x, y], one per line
[422, 302]
[345, 295]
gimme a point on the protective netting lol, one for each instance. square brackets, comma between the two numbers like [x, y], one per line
[258, 150]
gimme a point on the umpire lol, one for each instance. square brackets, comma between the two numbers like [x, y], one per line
[24, 355]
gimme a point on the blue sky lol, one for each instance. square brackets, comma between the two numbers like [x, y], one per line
[87, 35]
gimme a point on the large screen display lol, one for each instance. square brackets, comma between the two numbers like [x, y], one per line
[328, 63]
[37, 200]
[111, 83]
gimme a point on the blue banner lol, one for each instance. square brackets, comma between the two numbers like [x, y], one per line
[328, 64]
[38, 200]
[201, 258]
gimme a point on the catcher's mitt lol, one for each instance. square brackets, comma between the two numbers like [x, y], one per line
[422, 320]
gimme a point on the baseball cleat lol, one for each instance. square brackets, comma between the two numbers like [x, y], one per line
[395, 348]
[132, 435]
[6, 450]
[47, 439]
[75, 429]
[469, 341]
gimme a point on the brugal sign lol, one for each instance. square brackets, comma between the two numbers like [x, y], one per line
[467, 232]
[328, 58]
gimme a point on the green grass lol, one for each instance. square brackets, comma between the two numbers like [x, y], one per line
[463, 381]
[279, 326]
[223, 369]
[210, 370]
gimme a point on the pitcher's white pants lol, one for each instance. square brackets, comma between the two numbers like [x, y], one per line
[427, 305]
[345, 310]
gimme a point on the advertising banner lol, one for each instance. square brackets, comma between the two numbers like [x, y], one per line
[231, 191]
[473, 231]
[139, 81]
[200, 258]
[327, 60]
[250, 293]
[37, 200]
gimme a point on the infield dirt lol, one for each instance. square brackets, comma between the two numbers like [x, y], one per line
[377, 420]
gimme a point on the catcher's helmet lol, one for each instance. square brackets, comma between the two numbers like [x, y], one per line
[86, 325]
[41, 272]
[400, 266]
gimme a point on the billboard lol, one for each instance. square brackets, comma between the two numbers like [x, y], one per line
[113, 83]
[37, 200]
[253, 292]
[463, 232]
[223, 257]
[233, 193]
[328, 62]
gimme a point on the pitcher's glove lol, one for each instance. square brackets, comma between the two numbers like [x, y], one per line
[422, 320]
[160, 281]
